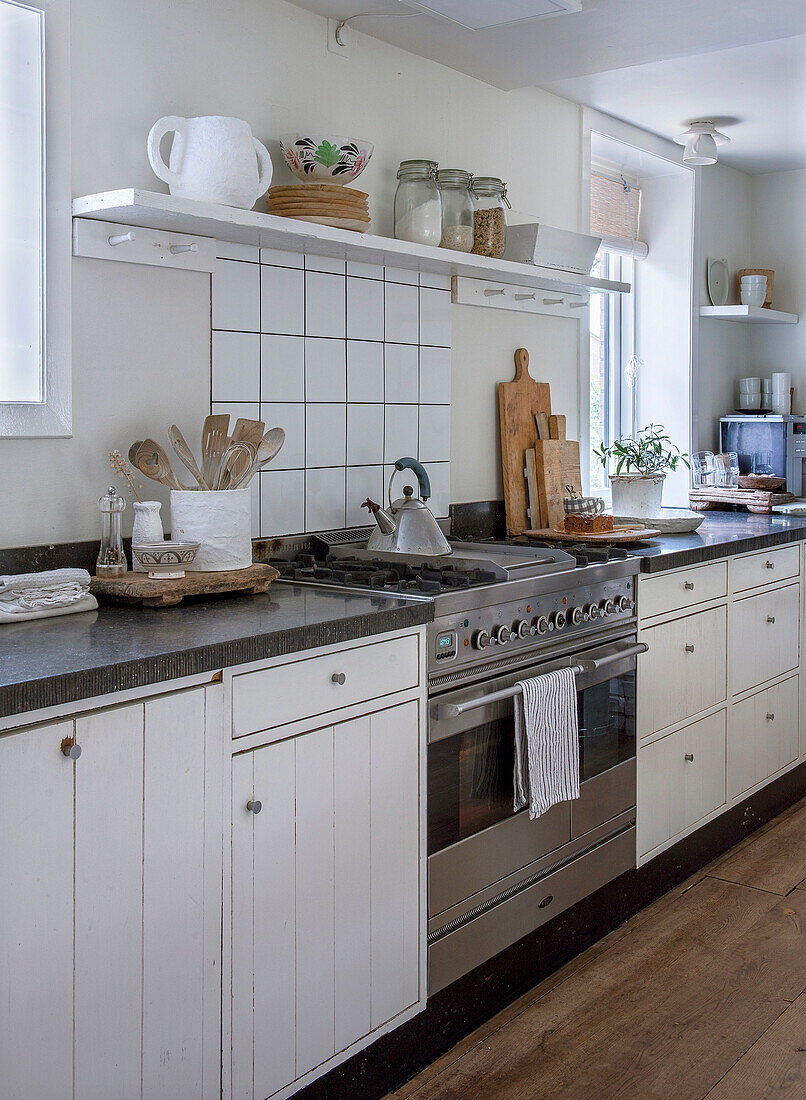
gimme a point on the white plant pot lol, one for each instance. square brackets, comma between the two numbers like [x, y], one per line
[637, 495]
[147, 526]
[220, 521]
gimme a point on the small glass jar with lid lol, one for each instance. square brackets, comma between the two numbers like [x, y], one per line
[489, 218]
[418, 206]
[457, 209]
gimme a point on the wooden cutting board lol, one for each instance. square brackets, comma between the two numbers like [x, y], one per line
[139, 588]
[617, 535]
[518, 403]
[557, 465]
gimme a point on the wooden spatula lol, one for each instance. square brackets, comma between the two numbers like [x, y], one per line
[215, 440]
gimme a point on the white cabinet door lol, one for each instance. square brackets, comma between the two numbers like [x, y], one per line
[148, 898]
[765, 631]
[764, 735]
[326, 894]
[704, 759]
[36, 920]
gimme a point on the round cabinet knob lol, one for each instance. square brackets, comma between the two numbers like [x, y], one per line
[70, 749]
[338, 678]
[624, 603]
[502, 635]
[770, 618]
[688, 647]
[481, 639]
[576, 615]
[558, 620]
[521, 628]
[770, 717]
[592, 610]
[540, 625]
[690, 757]
[769, 565]
[254, 806]
[607, 607]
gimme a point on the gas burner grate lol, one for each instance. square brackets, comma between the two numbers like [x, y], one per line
[382, 575]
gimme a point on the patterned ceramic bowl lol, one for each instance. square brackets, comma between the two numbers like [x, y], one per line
[166, 559]
[321, 157]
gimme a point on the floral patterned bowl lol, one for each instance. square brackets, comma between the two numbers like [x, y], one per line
[322, 157]
[167, 559]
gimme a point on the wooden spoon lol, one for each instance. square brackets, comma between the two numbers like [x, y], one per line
[215, 440]
[179, 444]
[152, 461]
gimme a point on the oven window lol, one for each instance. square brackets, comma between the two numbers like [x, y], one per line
[470, 775]
[606, 725]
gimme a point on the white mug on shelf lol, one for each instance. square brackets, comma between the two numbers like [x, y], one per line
[749, 401]
[753, 290]
[781, 404]
[782, 382]
[749, 385]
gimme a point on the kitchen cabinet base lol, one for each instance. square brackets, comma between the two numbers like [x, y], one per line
[472, 1000]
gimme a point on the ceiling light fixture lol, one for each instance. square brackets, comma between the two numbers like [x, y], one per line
[701, 140]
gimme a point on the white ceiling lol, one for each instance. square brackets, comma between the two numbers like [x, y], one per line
[655, 63]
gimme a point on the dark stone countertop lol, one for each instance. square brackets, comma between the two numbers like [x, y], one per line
[45, 662]
[722, 535]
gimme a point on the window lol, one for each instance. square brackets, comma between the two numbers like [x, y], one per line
[34, 219]
[612, 363]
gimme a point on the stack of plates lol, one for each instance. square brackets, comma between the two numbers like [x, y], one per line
[324, 203]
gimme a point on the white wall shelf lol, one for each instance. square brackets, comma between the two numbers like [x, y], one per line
[749, 315]
[152, 210]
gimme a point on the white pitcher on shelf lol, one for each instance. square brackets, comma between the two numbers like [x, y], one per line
[213, 159]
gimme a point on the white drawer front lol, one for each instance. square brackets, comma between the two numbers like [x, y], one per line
[274, 696]
[764, 637]
[684, 588]
[764, 568]
[763, 735]
[681, 779]
[684, 671]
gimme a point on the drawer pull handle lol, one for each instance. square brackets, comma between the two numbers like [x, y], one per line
[70, 749]
[690, 757]
[254, 806]
[770, 618]
[769, 564]
[689, 648]
[771, 717]
[689, 586]
[546, 901]
[338, 678]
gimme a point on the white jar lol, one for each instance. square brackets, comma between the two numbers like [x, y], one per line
[147, 527]
[221, 521]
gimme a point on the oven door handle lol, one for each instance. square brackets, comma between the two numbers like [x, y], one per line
[454, 710]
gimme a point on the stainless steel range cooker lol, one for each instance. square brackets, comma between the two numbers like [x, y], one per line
[504, 612]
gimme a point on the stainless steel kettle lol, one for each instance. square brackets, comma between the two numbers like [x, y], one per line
[408, 526]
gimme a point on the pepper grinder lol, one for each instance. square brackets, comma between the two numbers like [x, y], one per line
[111, 558]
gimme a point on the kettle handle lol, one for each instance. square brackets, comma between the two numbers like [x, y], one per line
[163, 126]
[418, 470]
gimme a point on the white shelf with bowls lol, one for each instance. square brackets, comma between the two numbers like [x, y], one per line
[151, 210]
[749, 315]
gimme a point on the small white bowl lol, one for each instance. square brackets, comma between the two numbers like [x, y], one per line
[165, 560]
[749, 400]
[749, 385]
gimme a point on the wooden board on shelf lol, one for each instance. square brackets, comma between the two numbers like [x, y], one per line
[134, 588]
[616, 535]
[755, 500]
[519, 401]
[557, 467]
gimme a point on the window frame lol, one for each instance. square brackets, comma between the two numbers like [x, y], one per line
[52, 418]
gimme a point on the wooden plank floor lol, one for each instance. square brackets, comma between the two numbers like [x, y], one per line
[702, 994]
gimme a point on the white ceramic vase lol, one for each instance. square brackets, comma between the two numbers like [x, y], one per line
[221, 521]
[147, 526]
[213, 159]
[637, 495]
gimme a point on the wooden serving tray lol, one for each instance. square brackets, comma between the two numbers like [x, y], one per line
[754, 500]
[151, 592]
[618, 534]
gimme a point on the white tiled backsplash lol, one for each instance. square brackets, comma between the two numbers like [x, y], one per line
[353, 361]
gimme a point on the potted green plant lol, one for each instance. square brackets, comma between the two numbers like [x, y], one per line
[639, 469]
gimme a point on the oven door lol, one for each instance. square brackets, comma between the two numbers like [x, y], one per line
[475, 838]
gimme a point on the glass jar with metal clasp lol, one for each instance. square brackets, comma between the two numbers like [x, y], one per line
[489, 217]
[457, 209]
[418, 206]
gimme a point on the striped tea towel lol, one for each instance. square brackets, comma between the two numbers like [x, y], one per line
[546, 741]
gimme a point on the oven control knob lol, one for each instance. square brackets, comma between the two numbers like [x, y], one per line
[576, 615]
[521, 628]
[481, 639]
[558, 620]
[592, 611]
[502, 635]
[540, 625]
[624, 603]
[607, 607]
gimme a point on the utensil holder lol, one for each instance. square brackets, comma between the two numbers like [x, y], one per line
[220, 521]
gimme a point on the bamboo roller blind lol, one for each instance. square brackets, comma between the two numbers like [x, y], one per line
[615, 211]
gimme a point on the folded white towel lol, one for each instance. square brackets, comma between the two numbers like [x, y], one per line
[546, 741]
[9, 613]
[38, 591]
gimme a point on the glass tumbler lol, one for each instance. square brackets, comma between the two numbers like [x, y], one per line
[726, 470]
[702, 468]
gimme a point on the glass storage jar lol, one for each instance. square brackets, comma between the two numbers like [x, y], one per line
[489, 219]
[457, 209]
[418, 206]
